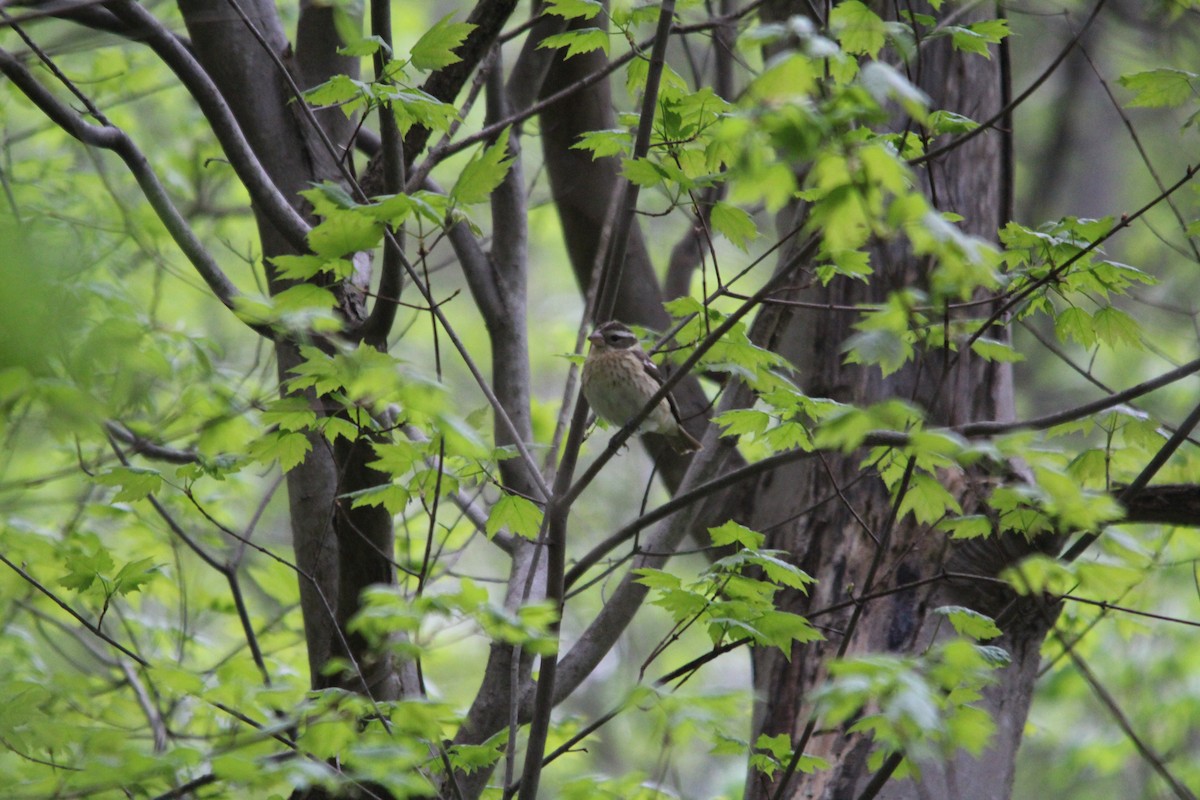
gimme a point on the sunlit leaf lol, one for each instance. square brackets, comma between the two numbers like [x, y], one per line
[435, 49]
[969, 622]
[578, 41]
[516, 514]
[480, 177]
[1157, 88]
[857, 27]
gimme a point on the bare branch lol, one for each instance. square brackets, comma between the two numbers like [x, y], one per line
[379, 323]
[84, 12]
[610, 278]
[973, 429]
[149, 449]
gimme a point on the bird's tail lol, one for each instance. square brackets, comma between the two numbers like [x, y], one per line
[682, 441]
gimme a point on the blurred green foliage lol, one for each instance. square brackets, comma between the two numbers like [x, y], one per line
[102, 321]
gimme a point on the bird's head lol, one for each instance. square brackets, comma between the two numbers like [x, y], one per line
[612, 336]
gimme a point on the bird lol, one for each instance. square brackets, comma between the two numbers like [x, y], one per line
[619, 379]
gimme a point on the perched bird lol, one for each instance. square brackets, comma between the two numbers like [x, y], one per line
[619, 378]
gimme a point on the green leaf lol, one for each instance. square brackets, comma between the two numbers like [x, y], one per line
[1114, 327]
[971, 526]
[84, 566]
[395, 209]
[626, 15]
[574, 9]
[135, 482]
[345, 231]
[327, 197]
[348, 19]
[1075, 324]
[969, 622]
[582, 40]
[732, 532]
[290, 414]
[1157, 88]
[642, 171]
[396, 458]
[134, 575]
[942, 121]
[480, 177]
[845, 429]
[741, 421]
[858, 28]
[976, 37]
[414, 107]
[657, 578]
[518, 514]
[1040, 573]
[604, 143]
[303, 297]
[435, 49]
[335, 91]
[781, 628]
[927, 499]
[301, 268]
[287, 447]
[734, 224]
[779, 571]
[366, 46]
[333, 427]
[393, 497]
[881, 347]
[992, 350]
[469, 758]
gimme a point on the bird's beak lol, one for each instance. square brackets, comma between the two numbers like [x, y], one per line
[596, 337]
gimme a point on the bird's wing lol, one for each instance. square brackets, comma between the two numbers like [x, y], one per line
[652, 370]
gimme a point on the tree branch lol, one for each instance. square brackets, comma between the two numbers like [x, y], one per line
[610, 277]
[1000, 115]
[32, 581]
[489, 17]
[973, 429]
[266, 195]
[379, 323]
[110, 137]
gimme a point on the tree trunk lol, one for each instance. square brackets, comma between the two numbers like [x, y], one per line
[339, 550]
[833, 513]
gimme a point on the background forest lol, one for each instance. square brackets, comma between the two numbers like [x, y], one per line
[297, 498]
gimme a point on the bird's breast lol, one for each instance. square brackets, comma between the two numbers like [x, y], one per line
[617, 387]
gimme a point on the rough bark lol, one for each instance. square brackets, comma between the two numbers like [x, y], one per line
[798, 506]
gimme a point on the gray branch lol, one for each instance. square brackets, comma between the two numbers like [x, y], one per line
[266, 195]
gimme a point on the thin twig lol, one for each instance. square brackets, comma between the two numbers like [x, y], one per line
[63, 605]
[1000, 115]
